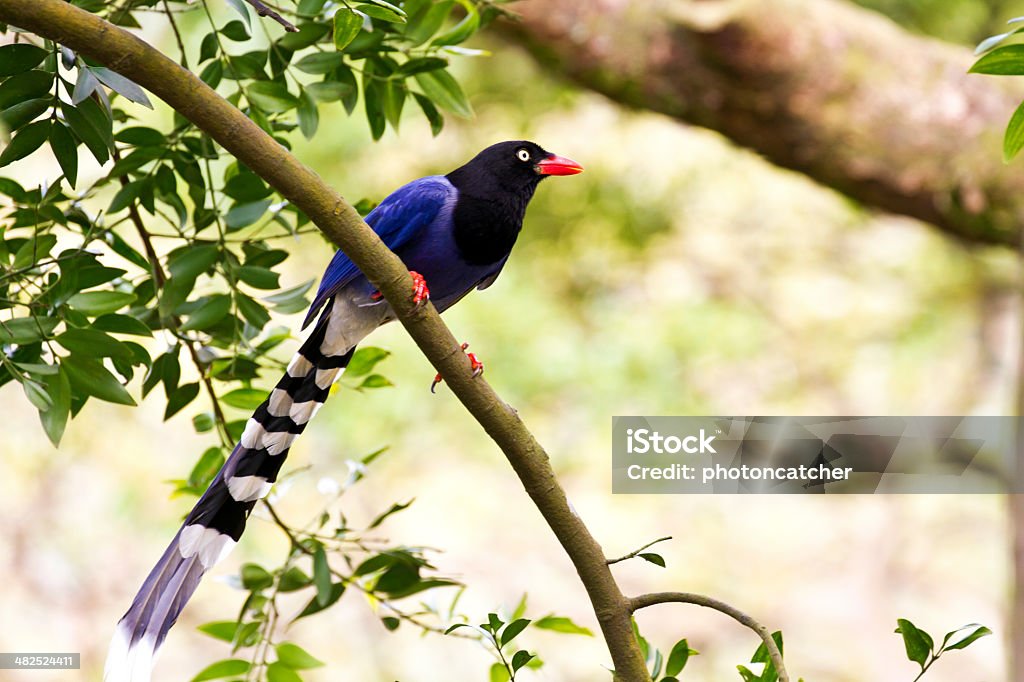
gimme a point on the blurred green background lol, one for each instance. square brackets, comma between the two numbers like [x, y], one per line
[678, 275]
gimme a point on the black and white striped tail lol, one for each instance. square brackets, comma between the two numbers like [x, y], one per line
[216, 522]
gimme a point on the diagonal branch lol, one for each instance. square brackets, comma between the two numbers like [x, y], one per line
[229, 127]
[645, 600]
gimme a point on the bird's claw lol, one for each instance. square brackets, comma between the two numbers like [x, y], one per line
[420, 292]
[474, 364]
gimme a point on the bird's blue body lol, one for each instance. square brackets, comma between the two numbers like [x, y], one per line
[456, 231]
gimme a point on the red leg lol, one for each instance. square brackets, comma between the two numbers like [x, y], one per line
[474, 364]
[420, 292]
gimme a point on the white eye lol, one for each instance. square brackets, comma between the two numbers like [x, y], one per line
[523, 155]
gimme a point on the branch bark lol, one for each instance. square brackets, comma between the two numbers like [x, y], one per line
[179, 88]
[646, 600]
[822, 87]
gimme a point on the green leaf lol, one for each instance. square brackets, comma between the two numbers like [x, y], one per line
[255, 577]
[93, 303]
[328, 91]
[90, 376]
[293, 579]
[25, 86]
[20, 58]
[322, 576]
[320, 62]
[295, 657]
[221, 669]
[193, 261]
[36, 395]
[203, 422]
[677, 658]
[426, 23]
[769, 674]
[121, 324]
[243, 215]
[94, 343]
[25, 330]
[206, 467]
[22, 113]
[462, 30]
[442, 89]
[513, 629]
[279, 672]
[390, 623]
[212, 311]
[1013, 140]
[977, 633]
[127, 194]
[382, 13]
[65, 148]
[917, 642]
[25, 141]
[394, 509]
[85, 131]
[520, 659]
[364, 360]
[253, 312]
[121, 85]
[309, 116]
[223, 630]
[498, 673]
[373, 101]
[314, 605]
[562, 624]
[653, 558]
[311, 8]
[421, 65]
[346, 27]
[271, 96]
[244, 398]
[431, 112]
[1003, 61]
[55, 419]
[375, 381]
[180, 398]
[394, 100]
[260, 278]
[235, 30]
[242, 9]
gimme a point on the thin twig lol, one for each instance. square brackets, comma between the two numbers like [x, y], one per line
[177, 34]
[265, 11]
[637, 551]
[159, 278]
[645, 600]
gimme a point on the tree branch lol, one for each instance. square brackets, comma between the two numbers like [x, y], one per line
[822, 87]
[265, 11]
[637, 551]
[645, 600]
[133, 58]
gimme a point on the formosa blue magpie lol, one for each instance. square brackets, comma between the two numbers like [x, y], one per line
[453, 232]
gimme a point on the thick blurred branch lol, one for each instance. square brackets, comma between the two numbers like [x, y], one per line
[839, 93]
[119, 50]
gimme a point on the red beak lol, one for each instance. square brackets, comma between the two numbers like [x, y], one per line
[558, 165]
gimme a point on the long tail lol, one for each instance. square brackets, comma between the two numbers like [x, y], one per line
[216, 522]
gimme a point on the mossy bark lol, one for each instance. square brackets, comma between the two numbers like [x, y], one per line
[822, 87]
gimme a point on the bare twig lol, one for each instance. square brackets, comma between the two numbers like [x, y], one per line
[637, 551]
[265, 11]
[645, 600]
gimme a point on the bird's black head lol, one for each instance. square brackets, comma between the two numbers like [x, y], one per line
[513, 167]
[494, 189]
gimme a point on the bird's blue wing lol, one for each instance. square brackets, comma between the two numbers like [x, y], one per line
[403, 214]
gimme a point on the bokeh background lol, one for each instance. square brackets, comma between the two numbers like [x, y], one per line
[678, 275]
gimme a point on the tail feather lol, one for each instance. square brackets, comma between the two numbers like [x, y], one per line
[217, 521]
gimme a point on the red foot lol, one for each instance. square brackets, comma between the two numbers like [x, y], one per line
[474, 364]
[420, 292]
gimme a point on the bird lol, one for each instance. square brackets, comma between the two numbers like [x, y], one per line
[454, 233]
